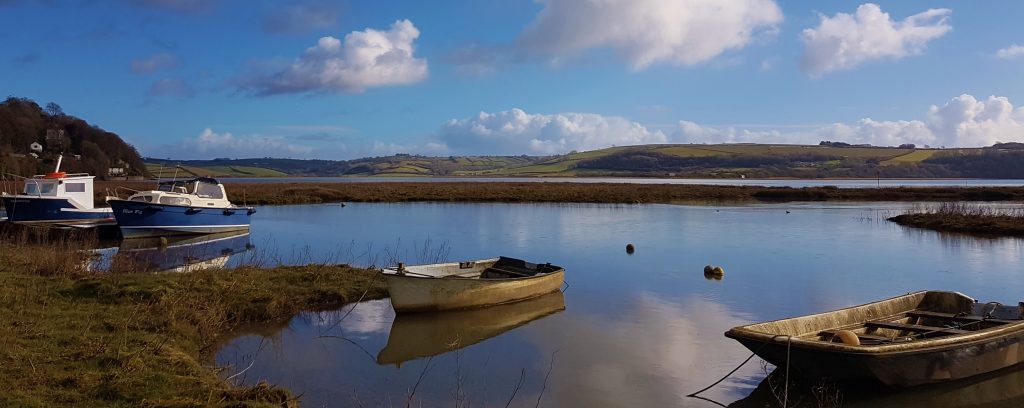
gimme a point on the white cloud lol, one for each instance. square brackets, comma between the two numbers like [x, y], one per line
[963, 121]
[154, 63]
[1012, 52]
[645, 32]
[845, 41]
[209, 144]
[365, 59]
[517, 132]
[966, 121]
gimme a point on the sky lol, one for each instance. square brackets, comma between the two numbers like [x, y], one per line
[342, 79]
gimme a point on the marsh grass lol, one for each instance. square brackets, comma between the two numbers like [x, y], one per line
[965, 218]
[70, 337]
[567, 192]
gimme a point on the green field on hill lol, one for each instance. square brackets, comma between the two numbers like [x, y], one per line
[668, 160]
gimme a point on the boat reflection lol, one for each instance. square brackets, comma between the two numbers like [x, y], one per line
[419, 335]
[174, 254]
[1000, 389]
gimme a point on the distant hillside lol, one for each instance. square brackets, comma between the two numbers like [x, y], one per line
[830, 159]
[31, 137]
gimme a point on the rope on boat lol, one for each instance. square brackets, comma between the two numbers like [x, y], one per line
[789, 340]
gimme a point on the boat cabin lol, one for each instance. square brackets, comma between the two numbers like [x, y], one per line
[197, 192]
[76, 188]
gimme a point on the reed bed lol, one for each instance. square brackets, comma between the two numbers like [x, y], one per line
[965, 218]
[612, 193]
[71, 337]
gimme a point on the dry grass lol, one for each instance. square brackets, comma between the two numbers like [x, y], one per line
[69, 337]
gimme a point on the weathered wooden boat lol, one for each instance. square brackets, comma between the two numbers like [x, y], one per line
[462, 285]
[918, 338]
[419, 335]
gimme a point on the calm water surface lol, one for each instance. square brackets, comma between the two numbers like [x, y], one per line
[841, 183]
[631, 330]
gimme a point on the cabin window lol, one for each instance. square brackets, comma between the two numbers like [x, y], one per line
[31, 188]
[206, 190]
[74, 187]
[175, 200]
[140, 198]
[47, 189]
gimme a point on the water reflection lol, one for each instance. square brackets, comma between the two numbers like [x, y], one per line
[172, 254]
[1001, 389]
[417, 335]
[640, 330]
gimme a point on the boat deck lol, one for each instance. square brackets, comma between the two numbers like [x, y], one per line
[915, 325]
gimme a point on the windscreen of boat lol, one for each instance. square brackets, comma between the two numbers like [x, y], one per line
[37, 188]
[208, 190]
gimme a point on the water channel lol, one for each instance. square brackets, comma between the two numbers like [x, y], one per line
[631, 330]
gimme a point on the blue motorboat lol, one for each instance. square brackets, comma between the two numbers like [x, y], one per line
[178, 207]
[172, 254]
[55, 197]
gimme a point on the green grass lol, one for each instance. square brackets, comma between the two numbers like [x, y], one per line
[72, 338]
[213, 171]
[915, 156]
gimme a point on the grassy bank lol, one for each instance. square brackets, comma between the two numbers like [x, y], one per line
[963, 218]
[307, 193]
[74, 338]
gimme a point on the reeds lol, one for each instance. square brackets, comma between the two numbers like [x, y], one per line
[965, 218]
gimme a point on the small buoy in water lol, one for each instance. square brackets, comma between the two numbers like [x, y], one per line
[708, 269]
[718, 271]
[630, 249]
[342, 204]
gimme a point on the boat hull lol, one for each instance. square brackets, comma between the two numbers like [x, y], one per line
[423, 294]
[797, 342]
[140, 219]
[898, 369]
[21, 209]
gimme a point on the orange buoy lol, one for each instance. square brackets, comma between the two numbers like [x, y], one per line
[848, 338]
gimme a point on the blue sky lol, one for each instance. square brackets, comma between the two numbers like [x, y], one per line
[340, 79]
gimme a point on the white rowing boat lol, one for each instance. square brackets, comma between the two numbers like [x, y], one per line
[461, 285]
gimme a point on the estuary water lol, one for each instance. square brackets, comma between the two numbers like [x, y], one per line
[841, 183]
[630, 330]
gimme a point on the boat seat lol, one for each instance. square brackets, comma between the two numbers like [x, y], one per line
[955, 317]
[507, 270]
[917, 328]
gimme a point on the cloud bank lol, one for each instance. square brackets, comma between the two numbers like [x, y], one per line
[845, 41]
[963, 121]
[646, 32]
[518, 132]
[365, 59]
[1012, 52]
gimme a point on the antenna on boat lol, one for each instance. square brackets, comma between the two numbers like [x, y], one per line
[59, 158]
[175, 178]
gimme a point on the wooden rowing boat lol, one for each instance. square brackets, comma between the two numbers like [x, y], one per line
[918, 338]
[462, 285]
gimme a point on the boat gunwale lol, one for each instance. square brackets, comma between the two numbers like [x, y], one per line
[393, 272]
[882, 350]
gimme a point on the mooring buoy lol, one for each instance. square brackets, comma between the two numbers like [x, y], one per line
[630, 249]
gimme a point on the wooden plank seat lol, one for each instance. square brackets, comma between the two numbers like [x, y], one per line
[955, 318]
[916, 328]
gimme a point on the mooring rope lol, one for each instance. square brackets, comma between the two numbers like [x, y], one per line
[789, 340]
